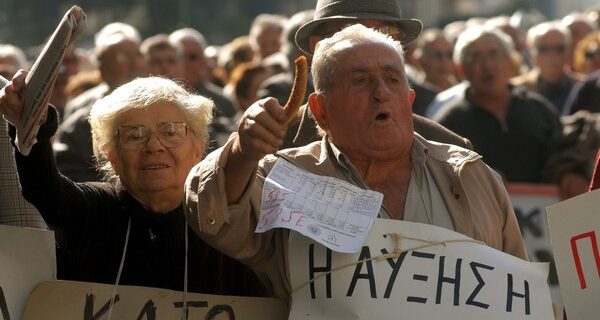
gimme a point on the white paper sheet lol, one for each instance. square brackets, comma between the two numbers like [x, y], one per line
[333, 212]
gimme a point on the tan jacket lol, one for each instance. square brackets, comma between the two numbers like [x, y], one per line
[476, 199]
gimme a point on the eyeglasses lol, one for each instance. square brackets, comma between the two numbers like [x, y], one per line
[170, 134]
[546, 48]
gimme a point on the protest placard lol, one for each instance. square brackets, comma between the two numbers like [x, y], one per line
[59, 300]
[415, 271]
[574, 229]
[530, 202]
[27, 257]
[40, 78]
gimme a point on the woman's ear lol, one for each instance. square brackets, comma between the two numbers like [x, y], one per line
[316, 102]
[112, 157]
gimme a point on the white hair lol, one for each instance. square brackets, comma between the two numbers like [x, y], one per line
[328, 51]
[541, 29]
[263, 22]
[188, 35]
[141, 93]
[471, 35]
[112, 34]
[15, 53]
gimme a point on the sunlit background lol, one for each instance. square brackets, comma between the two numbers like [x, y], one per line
[27, 23]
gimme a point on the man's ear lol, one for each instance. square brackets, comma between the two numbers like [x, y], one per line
[411, 96]
[316, 102]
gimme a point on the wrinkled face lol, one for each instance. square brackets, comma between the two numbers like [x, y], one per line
[194, 63]
[487, 66]
[551, 54]
[155, 169]
[436, 60]
[368, 112]
[164, 62]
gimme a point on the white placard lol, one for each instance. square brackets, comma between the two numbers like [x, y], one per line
[27, 257]
[530, 202]
[460, 279]
[59, 300]
[333, 212]
[574, 230]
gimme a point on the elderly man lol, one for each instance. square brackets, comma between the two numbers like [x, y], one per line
[117, 49]
[163, 58]
[514, 129]
[384, 15]
[196, 72]
[549, 44]
[434, 53]
[362, 102]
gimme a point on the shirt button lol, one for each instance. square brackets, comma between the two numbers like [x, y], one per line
[211, 221]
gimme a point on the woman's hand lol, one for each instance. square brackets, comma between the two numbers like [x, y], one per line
[11, 98]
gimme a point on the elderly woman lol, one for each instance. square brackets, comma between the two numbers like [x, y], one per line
[147, 135]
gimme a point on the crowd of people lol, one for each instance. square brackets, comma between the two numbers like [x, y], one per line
[439, 120]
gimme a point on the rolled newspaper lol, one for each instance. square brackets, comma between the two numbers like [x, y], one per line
[40, 79]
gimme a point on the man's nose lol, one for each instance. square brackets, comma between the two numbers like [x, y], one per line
[381, 91]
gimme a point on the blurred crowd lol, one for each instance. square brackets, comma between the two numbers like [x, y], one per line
[523, 91]
[554, 62]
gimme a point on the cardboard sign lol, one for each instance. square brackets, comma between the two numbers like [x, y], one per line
[574, 230]
[27, 257]
[59, 300]
[530, 202]
[434, 274]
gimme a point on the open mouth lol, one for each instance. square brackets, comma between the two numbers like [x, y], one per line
[382, 116]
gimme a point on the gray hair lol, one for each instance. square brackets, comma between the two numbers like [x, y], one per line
[112, 34]
[140, 94]
[579, 17]
[15, 53]
[328, 51]
[188, 35]
[543, 28]
[473, 34]
[263, 22]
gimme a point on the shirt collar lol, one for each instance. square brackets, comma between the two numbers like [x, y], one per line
[418, 153]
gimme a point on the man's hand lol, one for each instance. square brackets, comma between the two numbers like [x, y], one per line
[11, 98]
[260, 131]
